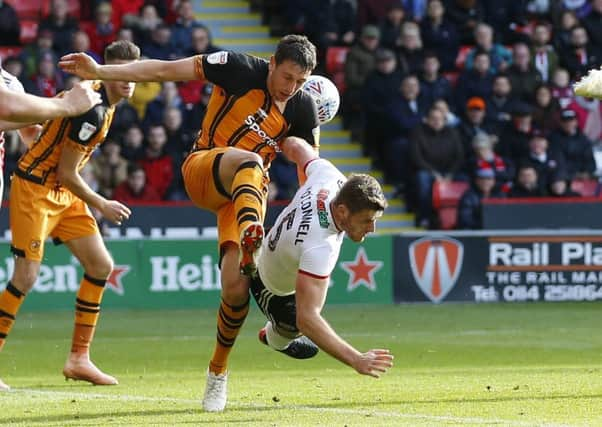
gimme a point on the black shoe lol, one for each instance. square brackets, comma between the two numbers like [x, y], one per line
[299, 348]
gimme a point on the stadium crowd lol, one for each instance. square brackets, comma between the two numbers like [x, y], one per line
[436, 90]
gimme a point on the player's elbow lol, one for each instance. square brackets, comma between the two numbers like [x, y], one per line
[305, 321]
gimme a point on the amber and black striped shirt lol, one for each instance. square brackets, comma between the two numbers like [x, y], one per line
[241, 112]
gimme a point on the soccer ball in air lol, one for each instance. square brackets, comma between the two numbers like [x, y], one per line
[325, 95]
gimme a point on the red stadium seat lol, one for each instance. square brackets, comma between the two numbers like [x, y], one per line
[29, 31]
[27, 9]
[446, 196]
[6, 51]
[338, 79]
[335, 59]
[586, 187]
[462, 54]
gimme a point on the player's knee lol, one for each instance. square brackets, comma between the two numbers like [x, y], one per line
[252, 157]
[25, 277]
[100, 268]
[235, 292]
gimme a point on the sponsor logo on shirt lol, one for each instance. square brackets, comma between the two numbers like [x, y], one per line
[322, 212]
[86, 131]
[254, 126]
[218, 58]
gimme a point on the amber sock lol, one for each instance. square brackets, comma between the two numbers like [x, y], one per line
[10, 301]
[87, 310]
[229, 321]
[247, 194]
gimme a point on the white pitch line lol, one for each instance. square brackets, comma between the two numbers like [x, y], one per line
[233, 406]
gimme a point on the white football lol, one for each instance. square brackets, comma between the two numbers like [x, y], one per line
[326, 96]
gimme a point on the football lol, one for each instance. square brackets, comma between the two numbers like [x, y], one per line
[326, 96]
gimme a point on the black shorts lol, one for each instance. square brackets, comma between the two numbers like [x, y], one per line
[281, 311]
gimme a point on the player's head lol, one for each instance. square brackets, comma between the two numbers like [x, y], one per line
[357, 206]
[121, 52]
[290, 66]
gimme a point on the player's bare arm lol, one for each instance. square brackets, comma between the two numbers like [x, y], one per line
[70, 178]
[26, 108]
[147, 70]
[298, 151]
[310, 298]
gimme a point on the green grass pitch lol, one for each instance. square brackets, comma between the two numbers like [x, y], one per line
[509, 365]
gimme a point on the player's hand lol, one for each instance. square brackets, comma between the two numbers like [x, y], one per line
[81, 65]
[80, 99]
[374, 362]
[115, 212]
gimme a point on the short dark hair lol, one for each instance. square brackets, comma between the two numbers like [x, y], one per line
[122, 50]
[361, 192]
[298, 49]
[135, 167]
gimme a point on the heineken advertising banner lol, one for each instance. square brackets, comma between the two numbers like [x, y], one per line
[503, 266]
[184, 274]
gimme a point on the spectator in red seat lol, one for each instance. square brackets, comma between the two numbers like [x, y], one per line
[465, 15]
[515, 135]
[102, 31]
[109, 167]
[546, 111]
[580, 57]
[483, 157]
[526, 183]
[390, 27]
[432, 84]
[559, 187]
[81, 43]
[544, 58]
[500, 57]
[473, 122]
[574, 146]
[181, 30]
[10, 27]
[440, 35]
[561, 88]
[135, 187]
[499, 105]
[47, 82]
[546, 162]
[470, 207]
[477, 81]
[156, 162]
[523, 76]
[62, 26]
[436, 154]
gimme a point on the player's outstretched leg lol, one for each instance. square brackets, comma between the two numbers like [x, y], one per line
[10, 302]
[248, 198]
[298, 348]
[87, 309]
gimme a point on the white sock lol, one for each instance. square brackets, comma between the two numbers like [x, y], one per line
[275, 340]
